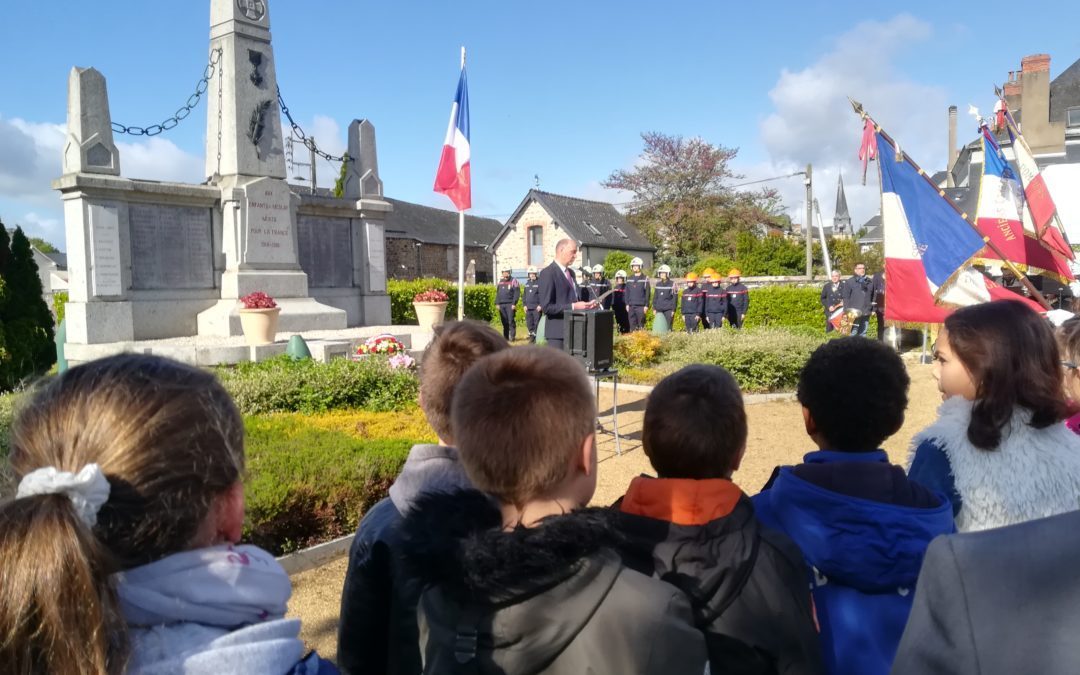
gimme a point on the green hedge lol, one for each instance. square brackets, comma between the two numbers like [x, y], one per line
[762, 360]
[284, 385]
[479, 300]
[307, 485]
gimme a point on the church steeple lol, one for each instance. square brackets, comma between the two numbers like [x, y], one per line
[841, 217]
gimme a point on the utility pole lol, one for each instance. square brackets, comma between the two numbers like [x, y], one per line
[809, 219]
[311, 148]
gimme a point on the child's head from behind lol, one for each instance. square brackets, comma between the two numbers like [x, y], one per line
[169, 441]
[695, 424]
[1000, 355]
[457, 345]
[853, 392]
[1068, 337]
[524, 421]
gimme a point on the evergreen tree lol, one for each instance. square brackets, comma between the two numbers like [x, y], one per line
[27, 321]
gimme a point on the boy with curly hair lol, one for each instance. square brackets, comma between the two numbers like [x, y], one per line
[862, 525]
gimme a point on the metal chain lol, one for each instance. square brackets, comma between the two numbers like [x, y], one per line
[308, 143]
[183, 111]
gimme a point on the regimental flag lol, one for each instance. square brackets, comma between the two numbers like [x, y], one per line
[929, 247]
[1040, 212]
[452, 178]
[999, 218]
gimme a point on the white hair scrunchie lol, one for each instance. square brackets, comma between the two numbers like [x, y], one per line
[88, 490]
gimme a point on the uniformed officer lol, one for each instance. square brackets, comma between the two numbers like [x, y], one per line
[738, 297]
[532, 304]
[693, 302]
[832, 299]
[598, 286]
[664, 294]
[507, 292]
[715, 302]
[618, 302]
[637, 295]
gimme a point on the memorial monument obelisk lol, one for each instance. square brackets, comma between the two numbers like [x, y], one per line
[245, 159]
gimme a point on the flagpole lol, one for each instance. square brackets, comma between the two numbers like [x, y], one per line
[861, 112]
[461, 242]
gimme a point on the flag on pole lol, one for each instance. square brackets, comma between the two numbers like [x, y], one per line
[1000, 218]
[452, 178]
[928, 247]
[1040, 213]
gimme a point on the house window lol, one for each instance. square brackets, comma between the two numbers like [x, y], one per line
[619, 231]
[1072, 117]
[536, 246]
[591, 228]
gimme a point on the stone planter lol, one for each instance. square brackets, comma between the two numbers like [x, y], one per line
[260, 325]
[430, 314]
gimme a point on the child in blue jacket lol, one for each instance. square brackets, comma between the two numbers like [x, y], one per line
[862, 525]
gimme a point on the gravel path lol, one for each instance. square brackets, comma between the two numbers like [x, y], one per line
[776, 437]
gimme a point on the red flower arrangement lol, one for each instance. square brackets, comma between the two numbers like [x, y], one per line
[384, 344]
[431, 295]
[258, 300]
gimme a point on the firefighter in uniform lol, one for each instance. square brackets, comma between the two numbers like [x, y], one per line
[693, 302]
[664, 295]
[715, 303]
[507, 293]
[637, 295]
[618, 302]
[532, 304]
[738, 297]
[598, 286]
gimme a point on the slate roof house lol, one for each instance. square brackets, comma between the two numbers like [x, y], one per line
[543, 218]
[422, 241]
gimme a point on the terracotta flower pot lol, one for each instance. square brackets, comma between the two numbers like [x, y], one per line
[260, 325]
[430, 314]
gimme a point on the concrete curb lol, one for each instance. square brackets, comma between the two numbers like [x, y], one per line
[748, 399]
[316, 556]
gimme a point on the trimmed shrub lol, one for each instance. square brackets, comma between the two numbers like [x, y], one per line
[639, 349]
[310, 478]
[284, 385]
[479, 300]
[59, 303]
[761, 360]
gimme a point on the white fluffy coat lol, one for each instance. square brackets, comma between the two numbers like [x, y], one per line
[1034, 473]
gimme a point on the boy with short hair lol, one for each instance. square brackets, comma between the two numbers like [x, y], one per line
[862, 525]
[519, 576]
[377, 632]
[694, 527]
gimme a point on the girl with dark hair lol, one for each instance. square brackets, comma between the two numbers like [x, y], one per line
[998, 449]
[120, 547]
[1068, 337]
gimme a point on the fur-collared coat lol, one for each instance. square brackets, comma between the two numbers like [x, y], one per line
[547, 599]
[1033, 473]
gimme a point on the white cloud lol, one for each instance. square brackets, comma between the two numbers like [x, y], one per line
[813, 122]
[158, 158]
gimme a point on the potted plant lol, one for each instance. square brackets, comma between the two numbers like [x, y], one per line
[430, 308]
[258, 318]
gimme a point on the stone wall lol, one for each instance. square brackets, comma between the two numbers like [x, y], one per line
[406, 260]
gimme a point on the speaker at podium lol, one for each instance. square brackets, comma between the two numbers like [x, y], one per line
[589, 336]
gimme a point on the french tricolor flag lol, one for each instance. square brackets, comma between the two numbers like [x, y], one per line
[928, 247]
[452, 179]
[1000, 213]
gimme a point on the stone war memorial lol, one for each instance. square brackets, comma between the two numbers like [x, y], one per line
[159, 267]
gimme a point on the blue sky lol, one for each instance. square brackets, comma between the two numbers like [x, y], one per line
[559, 89]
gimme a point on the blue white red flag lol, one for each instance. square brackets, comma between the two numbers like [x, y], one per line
[1040, 212]
[1000, 218]
[929, 247]
[452, 178]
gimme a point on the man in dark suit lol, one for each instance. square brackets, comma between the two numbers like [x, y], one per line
[998, 601]
[559, 291]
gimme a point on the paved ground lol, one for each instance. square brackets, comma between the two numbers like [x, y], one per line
[776, 437]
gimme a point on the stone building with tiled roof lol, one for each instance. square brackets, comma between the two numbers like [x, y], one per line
[422, 241]
[543, 218]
